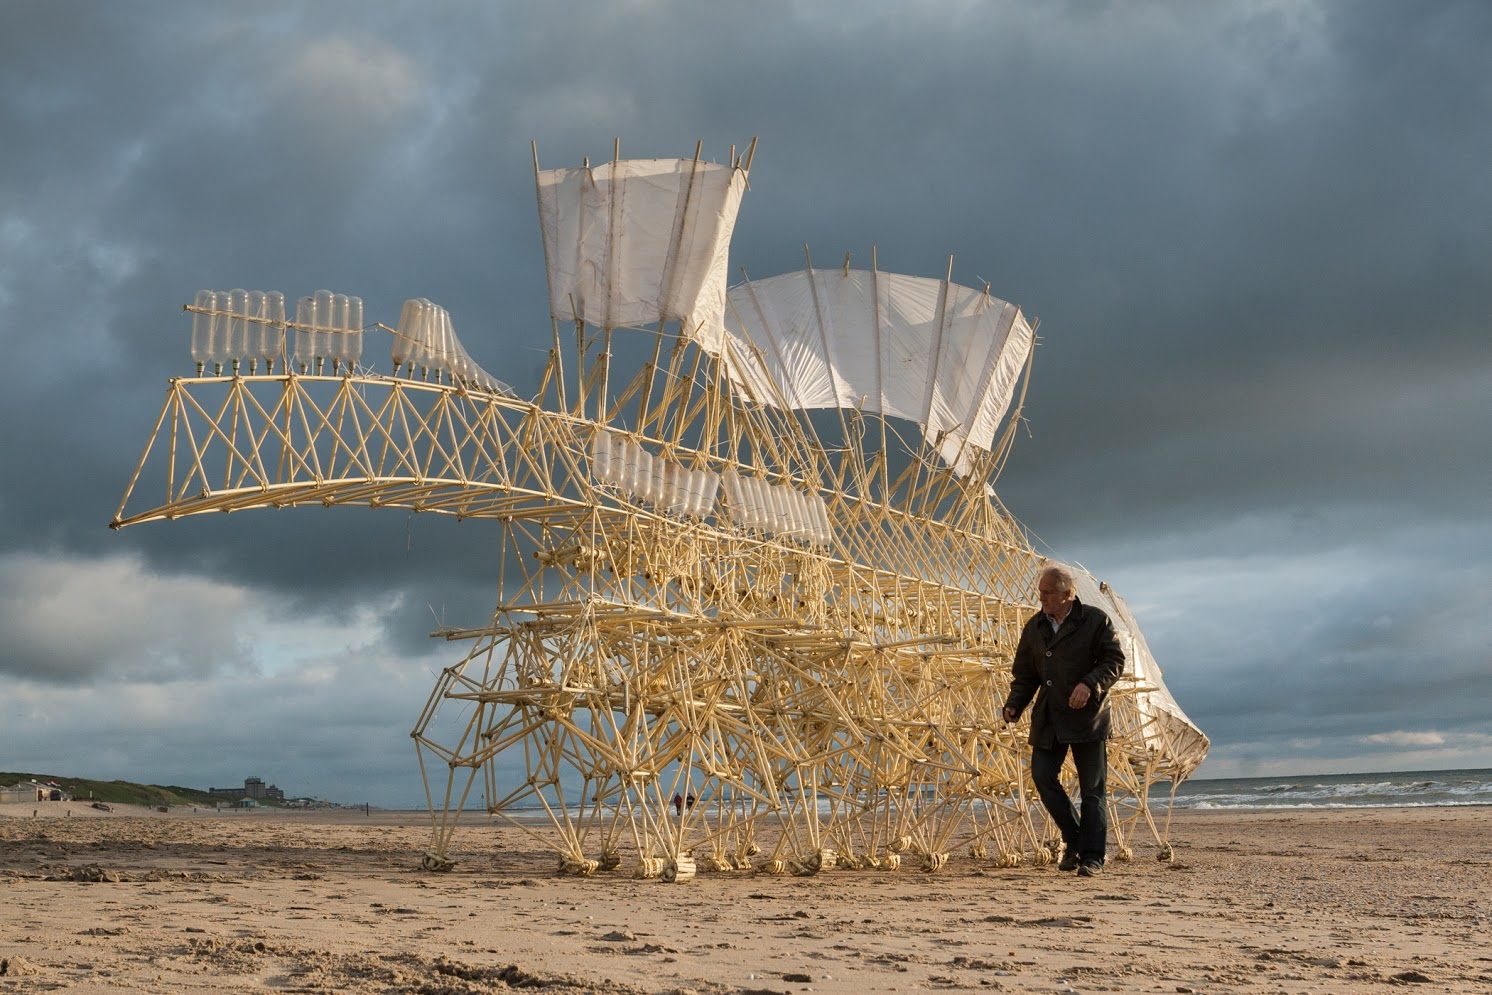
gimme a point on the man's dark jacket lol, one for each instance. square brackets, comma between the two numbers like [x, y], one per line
[1049, 665]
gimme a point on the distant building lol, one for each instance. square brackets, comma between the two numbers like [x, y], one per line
[23, 792]
[35, 791]
[253, 788]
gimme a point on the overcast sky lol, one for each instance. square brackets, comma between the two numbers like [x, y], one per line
[1257, 236]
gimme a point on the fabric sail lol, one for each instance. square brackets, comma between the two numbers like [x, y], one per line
[639, 241]
[944, 356]
[1165, 729]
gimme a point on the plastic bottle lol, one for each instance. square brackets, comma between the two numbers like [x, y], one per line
[601, 456]
[616, 464]
[202, 329]
[419, 343]
[352, 345]
[305, 334]
[272, 342]
[403, 344]
[223, 305]
[637, 470]
[658, 482]
[674, 497]
[707, 495]
[734, 499]
[442, 349]
[325, 321]
[237, 344]
[336, 336]
[254, 329]
[824, 532]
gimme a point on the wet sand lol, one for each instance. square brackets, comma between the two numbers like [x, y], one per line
[1261, 902]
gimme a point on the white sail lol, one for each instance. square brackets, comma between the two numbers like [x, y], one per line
[1169, 736]
[638, 241]
[944, 356]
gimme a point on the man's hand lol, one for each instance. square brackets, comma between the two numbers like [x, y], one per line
[1010, 715]
[1079, 696]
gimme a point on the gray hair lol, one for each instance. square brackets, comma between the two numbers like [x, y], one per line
[1063, 574]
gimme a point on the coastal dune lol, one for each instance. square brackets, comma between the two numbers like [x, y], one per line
[1265, 901]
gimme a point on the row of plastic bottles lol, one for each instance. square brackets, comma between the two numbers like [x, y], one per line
[238, 330]
[331, 331]
[425, 341]
[778, 509]
[754, 503]
[662, 483]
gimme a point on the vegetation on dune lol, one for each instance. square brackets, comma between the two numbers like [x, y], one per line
[117, 792]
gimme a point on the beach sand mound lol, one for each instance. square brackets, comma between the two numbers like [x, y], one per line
[17, 967]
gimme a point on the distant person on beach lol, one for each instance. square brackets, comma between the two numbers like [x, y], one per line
[678, 803]
[1067, 658]
[689, 803]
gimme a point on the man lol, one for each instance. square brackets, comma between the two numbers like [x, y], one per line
[1068, 658]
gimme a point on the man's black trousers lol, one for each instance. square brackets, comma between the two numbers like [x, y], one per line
[1087, 835]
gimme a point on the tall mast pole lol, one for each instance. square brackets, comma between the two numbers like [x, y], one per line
[556, 353]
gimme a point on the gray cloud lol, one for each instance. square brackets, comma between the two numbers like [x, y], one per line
[1255, 234]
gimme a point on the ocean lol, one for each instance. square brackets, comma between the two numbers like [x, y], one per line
[1393, 789]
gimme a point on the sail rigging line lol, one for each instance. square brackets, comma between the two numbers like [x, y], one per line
[617, 194]
[875, 284]
[549, 268]
[617, 203]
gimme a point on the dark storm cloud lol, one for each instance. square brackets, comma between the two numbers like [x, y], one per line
[1255, 234]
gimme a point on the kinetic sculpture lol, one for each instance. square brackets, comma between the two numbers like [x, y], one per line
[757, 600]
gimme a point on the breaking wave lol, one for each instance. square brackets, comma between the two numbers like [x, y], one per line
[1415, 789]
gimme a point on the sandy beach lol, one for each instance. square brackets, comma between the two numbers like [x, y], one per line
[1314, 901]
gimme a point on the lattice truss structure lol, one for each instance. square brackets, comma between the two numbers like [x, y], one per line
[740, 626]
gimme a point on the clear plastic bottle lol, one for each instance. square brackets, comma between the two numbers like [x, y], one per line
[403, 344]
[710, 488]
[237, 344]
[255, 315]
[352, 343]
[223, 307]
[658, 484]
[600, 456]
[272, 341]
[735, 499]
[336, 337]
[616, 464]
[424, 332]
[637, 470]
[442, 349]
[668, 496]
[325, 314]
[463, 370]
[305, 335]
[822, 531]
[418, 321]
[203, 329]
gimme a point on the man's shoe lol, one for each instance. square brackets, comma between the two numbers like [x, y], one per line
[1069, 862]
[1090, 869]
